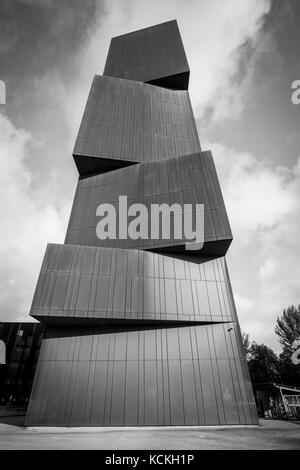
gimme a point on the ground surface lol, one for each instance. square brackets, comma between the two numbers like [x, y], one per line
[269, 435]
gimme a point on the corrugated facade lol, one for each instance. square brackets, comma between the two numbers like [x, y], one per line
[188, 179]
[142, 376]
[140, 332]
[126, 122]
[153, 55]
[102, 284]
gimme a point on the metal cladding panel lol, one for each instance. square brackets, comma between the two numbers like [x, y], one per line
[128, 376]
[127, 122]
[102, 285]
[190, 179]
[150, 54]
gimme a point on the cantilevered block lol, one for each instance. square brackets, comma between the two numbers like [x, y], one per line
[190, 179]
[153, 55]
[127, 122]
[86, 285]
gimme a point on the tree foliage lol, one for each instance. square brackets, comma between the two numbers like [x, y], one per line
[288, 327]
[263, 364]
[246, 342]
[289, 373]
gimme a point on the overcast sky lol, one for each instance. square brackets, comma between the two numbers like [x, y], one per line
[243, 56]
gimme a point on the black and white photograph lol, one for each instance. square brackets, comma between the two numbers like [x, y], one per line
[149, 228]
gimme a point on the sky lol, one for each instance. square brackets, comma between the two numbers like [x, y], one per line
[243, 57]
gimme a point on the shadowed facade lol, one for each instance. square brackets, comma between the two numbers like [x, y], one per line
[140, 332]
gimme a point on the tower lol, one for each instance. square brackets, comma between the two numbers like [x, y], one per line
[140, 331]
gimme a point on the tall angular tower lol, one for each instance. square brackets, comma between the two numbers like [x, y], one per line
[140, 332]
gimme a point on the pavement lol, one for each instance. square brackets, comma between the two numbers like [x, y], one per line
[269, 435]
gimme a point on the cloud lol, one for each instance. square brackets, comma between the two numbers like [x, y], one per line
[263, 205]
[264, 194]
[242, 303]
[213, 33]
[9, 35]
[255, 67]
[28, 222]
[267, 271]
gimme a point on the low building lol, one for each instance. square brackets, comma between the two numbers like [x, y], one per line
[277, 401]
[19, 350]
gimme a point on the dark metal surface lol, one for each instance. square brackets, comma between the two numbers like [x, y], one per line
[190, 179]
[154, 55]
[135, 337]
[98, 284]
[127, 122]
[142, 377]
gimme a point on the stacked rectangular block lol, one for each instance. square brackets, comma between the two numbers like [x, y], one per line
[138, 337]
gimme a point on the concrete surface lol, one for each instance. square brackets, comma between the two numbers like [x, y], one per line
[269, 435]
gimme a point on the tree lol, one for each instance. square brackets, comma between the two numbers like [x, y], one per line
[288, 330]
[288, 327]
[289, 373]
[246, 343]
[263, 364]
